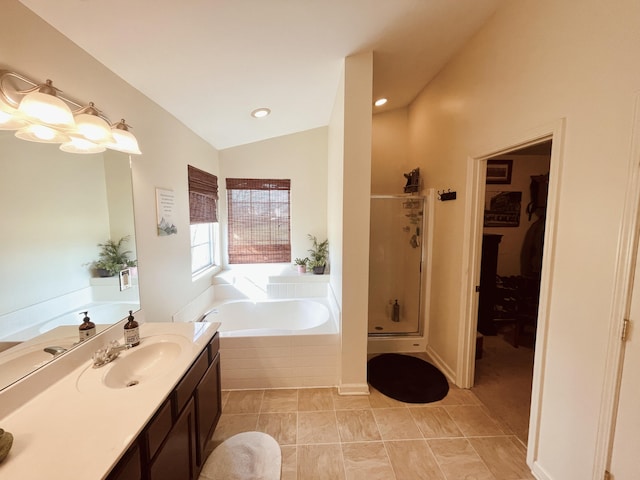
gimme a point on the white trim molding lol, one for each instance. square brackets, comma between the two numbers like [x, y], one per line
[627, 257]
[472, 248]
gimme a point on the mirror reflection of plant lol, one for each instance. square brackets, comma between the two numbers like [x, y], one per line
[112, 257]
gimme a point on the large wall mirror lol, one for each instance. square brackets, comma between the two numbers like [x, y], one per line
[55, 209]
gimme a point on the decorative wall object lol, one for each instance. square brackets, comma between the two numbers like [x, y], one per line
[165, 207]
[125, 279]
[502, 209]
[499, 171]
[413, 181]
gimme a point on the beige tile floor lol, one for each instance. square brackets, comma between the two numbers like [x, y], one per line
[327, 436]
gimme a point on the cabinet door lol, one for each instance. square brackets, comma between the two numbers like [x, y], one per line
[208, 406]
[176, 457]
[129, 467]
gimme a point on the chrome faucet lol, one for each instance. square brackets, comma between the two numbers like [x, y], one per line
[108, 354]
[55, 351]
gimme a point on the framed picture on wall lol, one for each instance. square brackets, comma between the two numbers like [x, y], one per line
[499, 171]
[125, 279]
[502, 209]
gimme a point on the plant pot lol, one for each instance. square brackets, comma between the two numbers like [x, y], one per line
[302, 268]
[104, 273]
[318, 270]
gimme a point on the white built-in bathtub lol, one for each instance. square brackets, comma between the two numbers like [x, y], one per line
[272, 317]
[278, 343]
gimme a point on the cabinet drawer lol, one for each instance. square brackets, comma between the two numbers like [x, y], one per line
[185, 388]
[158, 428]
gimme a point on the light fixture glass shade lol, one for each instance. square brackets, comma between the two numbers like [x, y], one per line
[42, 134]
[9, 117]
[124, 141]
[47, 109]
[9, 121]
[81, 145]
[93, 128]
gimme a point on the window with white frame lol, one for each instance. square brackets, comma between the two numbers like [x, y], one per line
[203, 217]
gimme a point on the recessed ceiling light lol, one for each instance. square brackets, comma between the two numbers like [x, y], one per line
[260, 112]
[380, 102]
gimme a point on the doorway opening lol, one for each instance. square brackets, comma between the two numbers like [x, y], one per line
[516, 191]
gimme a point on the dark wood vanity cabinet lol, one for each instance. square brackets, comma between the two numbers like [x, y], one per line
[129, 467]
[175, 458]
[173, 443]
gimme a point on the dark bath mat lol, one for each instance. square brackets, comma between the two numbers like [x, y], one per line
[406, 378]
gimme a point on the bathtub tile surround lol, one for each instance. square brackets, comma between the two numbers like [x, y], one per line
[279, 361]
[376, 437]
[284, 358]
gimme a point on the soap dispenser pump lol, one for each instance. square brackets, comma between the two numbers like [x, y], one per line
[131, 331]
[87, 328]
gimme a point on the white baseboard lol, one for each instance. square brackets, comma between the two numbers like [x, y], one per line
[353, 389]
[442, 365]
[540, 473]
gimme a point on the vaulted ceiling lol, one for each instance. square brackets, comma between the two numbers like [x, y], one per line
[211, 62]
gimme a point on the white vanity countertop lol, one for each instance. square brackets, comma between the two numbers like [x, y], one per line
[78, 428]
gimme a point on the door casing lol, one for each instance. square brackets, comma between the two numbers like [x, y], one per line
[472, 248]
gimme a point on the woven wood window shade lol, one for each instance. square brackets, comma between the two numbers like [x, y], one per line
[203, 196]
[259, 220]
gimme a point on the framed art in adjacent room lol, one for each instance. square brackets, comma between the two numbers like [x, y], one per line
[502, 209]
[499, 171]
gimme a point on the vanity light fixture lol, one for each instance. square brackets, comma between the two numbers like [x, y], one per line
[8, 118]
[91, 126]
[81, 145]
[123, 139]
[34, 132]
[260, 112]
[380, 102]
[41, 105]
[39, 113]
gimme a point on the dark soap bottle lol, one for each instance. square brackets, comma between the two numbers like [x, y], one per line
[131, 331]
[87, 328]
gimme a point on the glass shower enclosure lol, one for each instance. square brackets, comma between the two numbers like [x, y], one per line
[396, 251]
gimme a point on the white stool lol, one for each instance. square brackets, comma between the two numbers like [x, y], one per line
[245, 456]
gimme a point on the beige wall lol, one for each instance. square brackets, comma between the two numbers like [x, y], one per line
[300, 157]
[390, 152]
[30, 46]
[535, 63]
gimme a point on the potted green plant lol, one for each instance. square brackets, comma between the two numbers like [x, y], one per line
[319, 253]
[113, 258]
[301, 263]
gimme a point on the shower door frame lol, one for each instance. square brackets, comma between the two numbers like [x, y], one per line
[425, 257]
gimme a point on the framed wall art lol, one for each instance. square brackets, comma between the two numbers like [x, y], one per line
[499, 171]
[502, 209]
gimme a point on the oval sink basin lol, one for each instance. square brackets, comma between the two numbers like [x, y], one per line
[140, 364]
